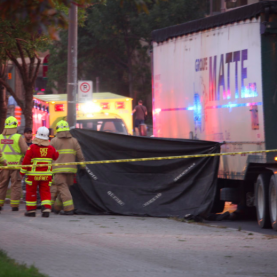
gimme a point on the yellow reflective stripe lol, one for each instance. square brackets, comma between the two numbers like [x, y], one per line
[31, 173]
[2, 201]
[47, 160]
[67, 203]
[15, 201]
[23, 170]
[67, 151]
[65, 169]
[52, 202]
[31, 203]
[46, 202]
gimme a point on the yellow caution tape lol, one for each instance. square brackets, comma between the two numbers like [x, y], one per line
[143, 159]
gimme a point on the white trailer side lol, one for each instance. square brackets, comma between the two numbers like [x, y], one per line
[215, 79]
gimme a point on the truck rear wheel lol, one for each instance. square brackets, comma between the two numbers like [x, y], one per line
[261, 197]
[273, 202]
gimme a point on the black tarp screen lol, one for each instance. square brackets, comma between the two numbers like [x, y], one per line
[164, 188]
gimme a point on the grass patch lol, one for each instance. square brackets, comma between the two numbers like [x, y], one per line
[10, 268]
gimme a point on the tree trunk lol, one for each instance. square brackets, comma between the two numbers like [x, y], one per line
[3, 107]
[28, 109]
[3, 97]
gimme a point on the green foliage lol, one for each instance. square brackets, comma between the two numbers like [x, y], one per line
[57, 65]
[12, 35]
[48, 16]
[115, 42]
[10, 268]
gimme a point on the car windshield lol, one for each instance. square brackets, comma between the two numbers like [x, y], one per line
[114, 125]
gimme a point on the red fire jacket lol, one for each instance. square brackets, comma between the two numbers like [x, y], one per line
[39, 155]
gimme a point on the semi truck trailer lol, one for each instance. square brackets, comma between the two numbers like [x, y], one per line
[216, 79]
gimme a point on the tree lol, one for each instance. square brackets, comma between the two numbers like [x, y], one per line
[25, 25]
[115, 42]
[48, 16]
[21, 48]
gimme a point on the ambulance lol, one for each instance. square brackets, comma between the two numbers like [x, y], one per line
[107, 112]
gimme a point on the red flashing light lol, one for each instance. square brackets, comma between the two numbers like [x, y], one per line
[105, 105]
[59, 108]
[120, 105]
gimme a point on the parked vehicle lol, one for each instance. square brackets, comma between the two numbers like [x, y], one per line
[215, 79]
[105, 106]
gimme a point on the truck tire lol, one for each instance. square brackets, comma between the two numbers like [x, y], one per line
[261, 199]
[229, 195]
[273, 202]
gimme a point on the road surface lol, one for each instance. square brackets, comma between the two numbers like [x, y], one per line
[121, 246]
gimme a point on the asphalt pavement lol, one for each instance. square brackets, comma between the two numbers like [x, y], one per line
[123, 246]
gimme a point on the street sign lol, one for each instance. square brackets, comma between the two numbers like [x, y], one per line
[85, 91]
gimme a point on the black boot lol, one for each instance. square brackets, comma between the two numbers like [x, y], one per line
[1, 208]
[45, 211]
[15, 209]
[31, 213]
[67, 212]
[45, 214]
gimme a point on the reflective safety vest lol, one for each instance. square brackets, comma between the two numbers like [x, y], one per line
[10, 148]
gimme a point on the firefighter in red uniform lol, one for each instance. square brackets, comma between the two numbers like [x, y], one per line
[40, 152]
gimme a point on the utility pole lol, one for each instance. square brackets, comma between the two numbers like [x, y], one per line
[223, 6]
[72, 65]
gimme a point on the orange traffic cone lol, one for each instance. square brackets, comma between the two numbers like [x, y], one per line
[17, 114]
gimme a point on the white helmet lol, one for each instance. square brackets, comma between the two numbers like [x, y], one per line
[42, 133]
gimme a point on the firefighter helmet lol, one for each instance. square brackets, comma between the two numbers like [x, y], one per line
[42, 133]
[11, 122]
[62, 126]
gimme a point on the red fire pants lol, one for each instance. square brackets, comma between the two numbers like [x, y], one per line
[31, 194]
